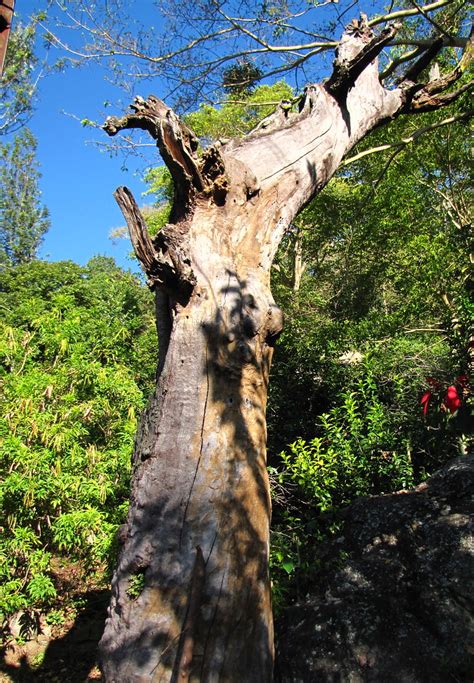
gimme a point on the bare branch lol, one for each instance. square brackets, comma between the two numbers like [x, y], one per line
[141, 242]
[176, 142]
[395, 63]
[411, 138]
[434, 23]
[420, 65]
[400, 14]
[429, 102]
[165, 261]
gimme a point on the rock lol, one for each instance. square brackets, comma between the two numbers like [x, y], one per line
[24, 624]
[400, 605]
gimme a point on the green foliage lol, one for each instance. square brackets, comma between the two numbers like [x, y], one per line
[234, 119]
[77, 359]
[55, 617]
[161, 188]
[23, 220]
[359, 451]
[136, 585]
[386, 277]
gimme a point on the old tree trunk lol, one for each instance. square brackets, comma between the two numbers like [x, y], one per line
[191, 595]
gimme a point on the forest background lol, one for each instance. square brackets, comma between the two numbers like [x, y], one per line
[370, 387]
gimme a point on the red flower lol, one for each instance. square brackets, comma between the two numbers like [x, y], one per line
[452, 400]
[425, 401]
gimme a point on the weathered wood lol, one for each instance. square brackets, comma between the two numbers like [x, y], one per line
[138, 232]
[165, 262]
[186, 649]
[350, 63]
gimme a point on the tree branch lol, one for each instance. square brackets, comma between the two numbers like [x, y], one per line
[408, 12]
[176, 142]
[421, 97]
[425, 60]
[346, 70]
[165, 261]
[434, 23]
[424, 102]
[408, 140]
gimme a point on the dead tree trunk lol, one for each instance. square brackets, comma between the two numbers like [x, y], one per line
[191, 595]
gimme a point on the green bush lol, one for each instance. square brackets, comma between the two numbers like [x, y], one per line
[77, 359]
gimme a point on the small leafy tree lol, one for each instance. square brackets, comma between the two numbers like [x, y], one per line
[23, 218]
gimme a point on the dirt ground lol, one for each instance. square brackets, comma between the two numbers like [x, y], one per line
[59, 653]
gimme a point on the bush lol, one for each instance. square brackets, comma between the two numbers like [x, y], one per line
[77, 359]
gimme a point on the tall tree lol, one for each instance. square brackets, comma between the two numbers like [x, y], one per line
[196, 537]
[23, 219]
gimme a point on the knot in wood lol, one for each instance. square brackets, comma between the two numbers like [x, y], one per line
[214, 175]
[273, 324]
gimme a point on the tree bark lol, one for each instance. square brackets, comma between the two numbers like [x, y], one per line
[196, 539]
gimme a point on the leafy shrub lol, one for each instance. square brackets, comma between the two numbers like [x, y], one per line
[77, 359]
[358, 453]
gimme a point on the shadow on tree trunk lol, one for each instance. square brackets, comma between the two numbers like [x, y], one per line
[192, 583]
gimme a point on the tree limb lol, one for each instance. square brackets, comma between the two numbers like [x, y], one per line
[408, 140]
[424, 98]
[408, 12]
[429, 102]
[164, 262]
[347, 70]
[176, 142]
[425, 60]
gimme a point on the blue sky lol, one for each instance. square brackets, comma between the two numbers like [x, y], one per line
[77, 178]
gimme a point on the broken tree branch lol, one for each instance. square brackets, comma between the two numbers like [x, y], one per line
[346, 70]
[178, 146]
[424, 102]
[176, 142]
[164, 262]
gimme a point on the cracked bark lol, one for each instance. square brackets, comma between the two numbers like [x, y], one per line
[199, 468]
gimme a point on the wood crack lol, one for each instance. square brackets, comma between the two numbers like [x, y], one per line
[201, 447]
[185, 653]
